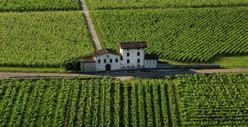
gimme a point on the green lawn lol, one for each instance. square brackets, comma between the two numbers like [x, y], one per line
[232, 61]
[223, 61]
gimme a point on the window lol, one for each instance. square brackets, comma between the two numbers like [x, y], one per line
[116, 60]
[128, 54]
[128, 61]
[107, 56]
[110, 60]
[138, 65]
[138, 60]
[105, 60]
[99, 61]
[138, 53]
[138, 49]
[121, 58]
[127, 66]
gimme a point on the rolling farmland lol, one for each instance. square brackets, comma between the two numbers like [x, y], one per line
[43, 38]
[40, 5]
[187, 35]
[139, 102]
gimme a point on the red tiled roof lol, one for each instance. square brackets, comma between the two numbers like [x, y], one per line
[88, 59]
[105, 51]
[133, 45]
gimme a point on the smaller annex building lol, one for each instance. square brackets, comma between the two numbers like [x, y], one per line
[131, 55]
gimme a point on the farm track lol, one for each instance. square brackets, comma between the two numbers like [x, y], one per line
[90, 25]
[123, 75]
[206, 71]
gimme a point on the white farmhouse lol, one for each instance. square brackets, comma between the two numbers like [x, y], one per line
[131, 55]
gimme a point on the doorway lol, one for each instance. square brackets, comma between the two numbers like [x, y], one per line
[108, 67]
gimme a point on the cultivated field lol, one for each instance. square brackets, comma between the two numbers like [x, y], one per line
[43, 38]
[181, 30]
[193, 35]
[134, 4]
[38, 5]
[215, 100]
[81, 103]
[206, 100]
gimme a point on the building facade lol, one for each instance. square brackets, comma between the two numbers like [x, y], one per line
[107, 61]
[130, 56]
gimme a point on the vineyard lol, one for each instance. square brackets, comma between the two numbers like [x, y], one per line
[134, 4]
[43, 38]
[214, 100]
[49, 33]
[187, 35]
[34, 5]
[62, 102]
[139, 102]
[39, 34]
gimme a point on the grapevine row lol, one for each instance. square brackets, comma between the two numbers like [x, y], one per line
[43, 38]
[197, 100]
[146, 4]
[186, 35]
[33, 5]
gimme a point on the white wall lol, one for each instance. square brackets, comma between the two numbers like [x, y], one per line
[150, 64]
[114, 65]
[132, 58]
[88, 67]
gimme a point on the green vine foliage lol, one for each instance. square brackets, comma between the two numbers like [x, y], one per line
[38, 5]
[187, 100]
[186, 35]
[144, 4]
[43, 38]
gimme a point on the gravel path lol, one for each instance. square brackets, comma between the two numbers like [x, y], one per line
[122, 74]
[232, 70]
[90, 25]
[4, 75]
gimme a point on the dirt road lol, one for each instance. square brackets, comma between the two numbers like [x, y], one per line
[206, 71]
[4, 75]
[120, 75]
[90, 25]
